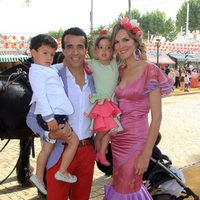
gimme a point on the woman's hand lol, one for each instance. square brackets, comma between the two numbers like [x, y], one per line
[142, 163]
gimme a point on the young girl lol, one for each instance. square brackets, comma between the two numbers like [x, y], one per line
[52, 108]
[104, 112]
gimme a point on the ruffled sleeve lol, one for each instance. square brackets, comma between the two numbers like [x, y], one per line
[155, 77]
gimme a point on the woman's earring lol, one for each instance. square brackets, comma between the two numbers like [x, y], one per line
[137, 54]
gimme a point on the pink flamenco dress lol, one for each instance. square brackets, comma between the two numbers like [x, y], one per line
[128, 144]
[104, 112]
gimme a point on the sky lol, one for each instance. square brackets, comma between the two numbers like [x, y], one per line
[51, 15]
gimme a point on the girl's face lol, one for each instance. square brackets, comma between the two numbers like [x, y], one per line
[104, 51]
[44, 55]
[124, 45]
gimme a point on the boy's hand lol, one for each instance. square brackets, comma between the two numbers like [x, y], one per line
[52, 125]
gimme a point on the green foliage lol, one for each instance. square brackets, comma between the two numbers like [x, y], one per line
[27, 2]
[56, 34]
[194, 16]
[156, 22]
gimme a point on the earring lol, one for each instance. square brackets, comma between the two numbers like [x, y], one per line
[137, 54]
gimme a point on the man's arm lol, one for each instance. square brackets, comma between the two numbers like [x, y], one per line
[63, 133]
[32, 123]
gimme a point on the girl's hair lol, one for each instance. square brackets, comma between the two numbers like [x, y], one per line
[43, 39]
[99, 38]
[138, 40]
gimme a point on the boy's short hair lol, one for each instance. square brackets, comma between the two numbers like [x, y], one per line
[43, 39]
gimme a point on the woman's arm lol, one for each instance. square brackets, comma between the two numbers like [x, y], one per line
[156, 116]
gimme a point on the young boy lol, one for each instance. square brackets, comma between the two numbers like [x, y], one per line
[52, 107]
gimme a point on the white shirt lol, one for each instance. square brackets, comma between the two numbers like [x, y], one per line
[48, 92]
[79, 122]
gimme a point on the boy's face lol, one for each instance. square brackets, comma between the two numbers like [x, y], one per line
[44, 55]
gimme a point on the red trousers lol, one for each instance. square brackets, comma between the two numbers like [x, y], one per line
[82, 166]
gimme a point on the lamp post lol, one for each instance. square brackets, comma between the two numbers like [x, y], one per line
[91, 17]
[129, 9]
[157, 47]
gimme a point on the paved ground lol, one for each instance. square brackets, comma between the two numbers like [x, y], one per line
[180, 141]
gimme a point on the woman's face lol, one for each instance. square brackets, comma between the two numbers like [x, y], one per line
[124, 45]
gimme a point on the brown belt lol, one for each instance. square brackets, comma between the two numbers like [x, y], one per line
[87, 141]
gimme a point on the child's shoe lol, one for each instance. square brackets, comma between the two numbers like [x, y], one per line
[39, 184]
[102, 159]
[69, 178]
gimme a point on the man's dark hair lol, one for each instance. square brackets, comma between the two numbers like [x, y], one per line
[74, 31]
[43, 39]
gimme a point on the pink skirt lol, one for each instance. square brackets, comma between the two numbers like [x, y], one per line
[104, 116]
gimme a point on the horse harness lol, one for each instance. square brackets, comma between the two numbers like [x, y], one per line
[12, 78]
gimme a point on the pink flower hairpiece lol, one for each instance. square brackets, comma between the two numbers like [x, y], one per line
[131, 25]
[103, 32]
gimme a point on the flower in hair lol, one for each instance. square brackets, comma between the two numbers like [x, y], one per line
[131, 25]
[103, 32]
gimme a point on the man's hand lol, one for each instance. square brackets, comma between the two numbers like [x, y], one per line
[62, 133]
[52, 125]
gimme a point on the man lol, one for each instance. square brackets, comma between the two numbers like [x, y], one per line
[78, 86]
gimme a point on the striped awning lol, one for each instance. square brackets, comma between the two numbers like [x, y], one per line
[13, 58]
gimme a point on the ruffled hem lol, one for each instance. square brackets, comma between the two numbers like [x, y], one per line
[104, 116]
[157, 78]
[111, 194]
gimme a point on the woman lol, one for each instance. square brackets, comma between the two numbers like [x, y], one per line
[140, 88]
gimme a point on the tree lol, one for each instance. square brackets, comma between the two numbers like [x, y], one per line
[56, 34]
[194, 16]
[156, 22]
[27, 2]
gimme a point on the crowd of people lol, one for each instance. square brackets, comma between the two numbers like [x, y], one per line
[78, 108]
[183, 78]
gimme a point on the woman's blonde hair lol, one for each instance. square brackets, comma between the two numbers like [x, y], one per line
[138, 39]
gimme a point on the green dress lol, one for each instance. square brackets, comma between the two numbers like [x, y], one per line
[104, 112]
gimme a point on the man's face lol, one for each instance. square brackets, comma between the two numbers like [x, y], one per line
[74, 51]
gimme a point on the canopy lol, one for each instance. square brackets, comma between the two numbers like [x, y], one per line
[13, 58]
[180, 57]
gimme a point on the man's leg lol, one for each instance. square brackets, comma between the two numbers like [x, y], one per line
[56, 190]
[85, 158]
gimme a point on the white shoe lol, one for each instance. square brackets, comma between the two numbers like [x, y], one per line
[66, 178]
[39, 184]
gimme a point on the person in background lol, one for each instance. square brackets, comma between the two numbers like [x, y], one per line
[78, 86]
[182, 72]
[177, 78]
[52, 107]
[167, 70]
[104, 112]
[172, 75]
[139, 90]
[187, 82]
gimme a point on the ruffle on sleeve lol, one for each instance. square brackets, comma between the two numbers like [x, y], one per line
[155, 77]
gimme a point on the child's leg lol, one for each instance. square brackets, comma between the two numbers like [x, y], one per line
[98, 139]
[42, 159]
[102, 139]
[69, 153]
[104, 143]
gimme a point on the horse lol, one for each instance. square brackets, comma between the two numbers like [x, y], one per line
[15, 96]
